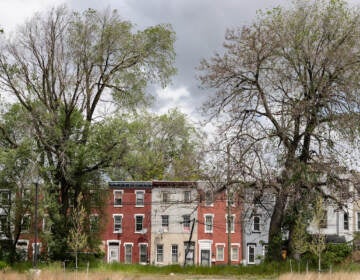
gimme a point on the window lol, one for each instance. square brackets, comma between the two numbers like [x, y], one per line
[165, 221]
[143, 253]
[186, 222]
[37, 248]
[118, 197]
[265, 249]
[232, 223]
[46, 224]
[189, 249]
[128, 252]
[165, 196]
[234, 253]
[139, 223]
[117, 223]
[323, 222]
[209, 223]
[159, 253]
[5, 198]
[139, 198]
[3, 222]
[251, 254]
[256, 223]
[220, 252]
[208, 198]
[187, 196]
[346, 221]
[94, 223]
[358, 220]
[25, 223]
[174, 253]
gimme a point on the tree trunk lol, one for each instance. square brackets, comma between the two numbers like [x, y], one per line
[275, 238]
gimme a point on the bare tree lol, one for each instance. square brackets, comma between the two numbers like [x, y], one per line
[287, 88]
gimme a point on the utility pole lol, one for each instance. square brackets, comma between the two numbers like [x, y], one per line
[36, 226]
[228, 206]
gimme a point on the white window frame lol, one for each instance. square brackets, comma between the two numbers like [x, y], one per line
[358, 221]
[232, 223]
[45, 222]
[186, 229]
[5, 198]
[5, 219]
[146, 245]
[237, 246]
[248, 253]
[165, 197]
[122, 197]
[121, 224]
[220, 245]
[131, 245]
[136, 198]
[347, 221]
[177, 253]
[108, 242]
[157, 253]
[166, 227]
[206, 230]
[142, 223]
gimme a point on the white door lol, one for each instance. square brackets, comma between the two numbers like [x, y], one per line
[113, 253]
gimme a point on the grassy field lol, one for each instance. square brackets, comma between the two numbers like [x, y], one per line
[60, 275]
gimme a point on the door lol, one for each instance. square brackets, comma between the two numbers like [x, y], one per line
[113, 253]
[205, 257]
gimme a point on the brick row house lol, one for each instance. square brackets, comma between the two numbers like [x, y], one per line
[171, 222]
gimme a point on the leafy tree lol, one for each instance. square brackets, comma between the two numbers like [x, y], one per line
[165, 147]
[17, 175]
[77, 239]
[62, 67]
[287, 91]
[318, 243]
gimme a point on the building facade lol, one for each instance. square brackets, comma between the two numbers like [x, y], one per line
[127, 234]
[219, 227]
[174, 223]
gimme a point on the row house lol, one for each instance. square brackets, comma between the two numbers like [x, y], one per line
[127, 234]
[219, 227]
[175, 222]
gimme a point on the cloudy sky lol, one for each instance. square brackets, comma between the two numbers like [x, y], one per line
[199, 25]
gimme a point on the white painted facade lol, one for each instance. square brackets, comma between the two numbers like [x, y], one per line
[170, 236]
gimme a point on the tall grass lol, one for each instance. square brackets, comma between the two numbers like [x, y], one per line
[323, 276]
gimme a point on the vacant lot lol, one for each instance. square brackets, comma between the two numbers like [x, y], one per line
[60, 275]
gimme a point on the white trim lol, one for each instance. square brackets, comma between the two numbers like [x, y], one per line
[171, 255]
[114, 191]
[156, 253]
[248, 255]
[108, 251]
[233, 223]
[136, 192]
[212, 223]
[357, 228]
[231, 252]
[253, 223]
[147, 246]
[142, 224]
[129, 243]
[122, 216]
[217, 246]
[235, 244]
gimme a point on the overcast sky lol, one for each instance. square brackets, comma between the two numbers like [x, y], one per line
[200, 26]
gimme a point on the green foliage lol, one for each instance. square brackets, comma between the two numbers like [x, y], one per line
[165, 147]
[336, 253]
[3, 265]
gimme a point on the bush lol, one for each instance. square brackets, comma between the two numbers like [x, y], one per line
[3, 265]
[336, 253]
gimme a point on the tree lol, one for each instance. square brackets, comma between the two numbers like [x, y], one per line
[165, 147]
[77, 239]
[287, 90]
[17, 176]
[62, 67]
[318, 243]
